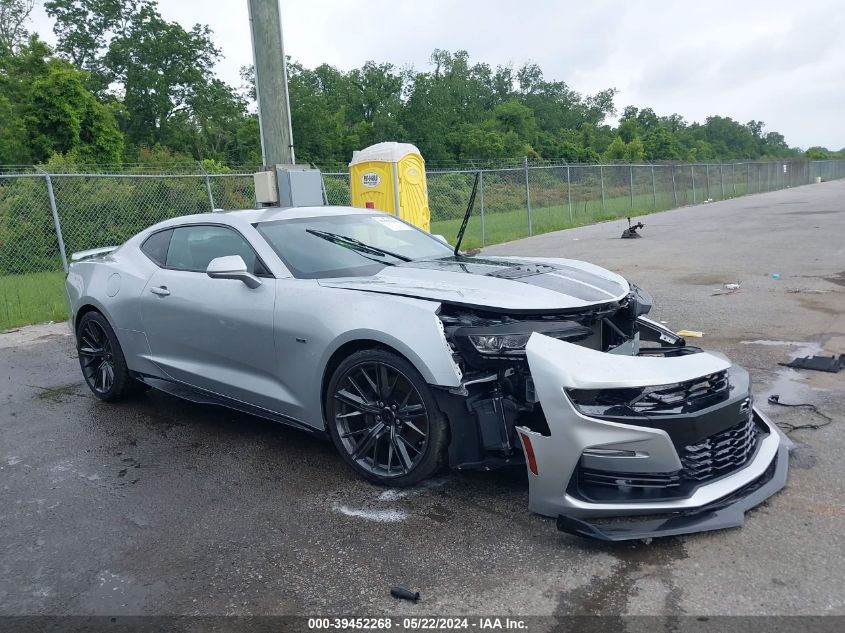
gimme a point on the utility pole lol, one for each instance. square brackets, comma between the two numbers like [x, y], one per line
[271, 82]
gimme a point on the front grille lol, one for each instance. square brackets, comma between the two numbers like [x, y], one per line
[720, 453]
[691, 395]
[666, 400]
[714, 457]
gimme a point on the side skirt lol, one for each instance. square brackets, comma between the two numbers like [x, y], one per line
[201, 396]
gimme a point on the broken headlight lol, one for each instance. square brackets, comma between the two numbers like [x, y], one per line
[508, 340]
[500, 344]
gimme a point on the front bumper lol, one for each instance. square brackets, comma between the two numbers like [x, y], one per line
[555, 458]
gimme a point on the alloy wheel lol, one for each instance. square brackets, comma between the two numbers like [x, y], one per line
[96, 357]
[381, 419]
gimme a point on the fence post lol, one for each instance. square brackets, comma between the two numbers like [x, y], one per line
[528, 195]
[653, 190]
[481, 191]
[210, 195]
[569, 194]
[733, 176]
[707, 179]
[722, 180]
[56, 222]
[632, 185]
[601, 182]
[674, 191]
[692, 170]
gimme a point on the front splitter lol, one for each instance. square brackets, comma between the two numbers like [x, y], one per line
[726, 512]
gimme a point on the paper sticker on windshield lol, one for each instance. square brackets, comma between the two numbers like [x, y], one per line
[392, 223]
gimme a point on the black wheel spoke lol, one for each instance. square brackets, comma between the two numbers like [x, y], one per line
[390, 447]
[384, 383]
[403, 443]
[413, 426]
[373, 385]
[412, 410]
[367, 443]
[404, 458]
[356, 402]
[357, 388]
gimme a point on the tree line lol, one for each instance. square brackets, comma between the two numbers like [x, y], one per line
[124, 85]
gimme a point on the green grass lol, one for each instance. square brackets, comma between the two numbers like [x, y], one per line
[33, 298]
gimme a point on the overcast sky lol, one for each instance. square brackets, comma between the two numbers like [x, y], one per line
[782, 62]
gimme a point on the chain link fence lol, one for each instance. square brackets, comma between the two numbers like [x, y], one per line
[44, 217]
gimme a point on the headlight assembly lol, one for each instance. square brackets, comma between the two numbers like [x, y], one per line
[508, 340]
[500, 344]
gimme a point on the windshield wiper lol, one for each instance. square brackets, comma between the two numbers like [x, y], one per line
[357, 245]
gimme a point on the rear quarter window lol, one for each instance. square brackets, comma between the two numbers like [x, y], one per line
[156, 245]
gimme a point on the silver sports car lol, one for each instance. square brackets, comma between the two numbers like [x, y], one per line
[412, 357]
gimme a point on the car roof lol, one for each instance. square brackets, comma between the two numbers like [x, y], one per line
[268, 214]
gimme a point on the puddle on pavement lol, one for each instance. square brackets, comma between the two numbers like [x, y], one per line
[639, 563]
[789, 383]
[57, 394]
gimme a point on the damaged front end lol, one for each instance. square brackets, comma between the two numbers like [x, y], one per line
[626, 431]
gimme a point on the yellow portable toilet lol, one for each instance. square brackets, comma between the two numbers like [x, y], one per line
[391, 177]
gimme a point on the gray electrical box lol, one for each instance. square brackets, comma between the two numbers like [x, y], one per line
[289, 186]
[300, 187]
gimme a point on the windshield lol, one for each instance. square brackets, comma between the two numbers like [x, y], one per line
[336, 245]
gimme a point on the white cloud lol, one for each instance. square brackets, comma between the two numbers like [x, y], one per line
[777, 61]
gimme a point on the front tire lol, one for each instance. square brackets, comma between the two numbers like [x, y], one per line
[102, 361]
[383, 419]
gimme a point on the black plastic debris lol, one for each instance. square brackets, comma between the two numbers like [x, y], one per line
[404, 594]
[631, 231]
[830, 364]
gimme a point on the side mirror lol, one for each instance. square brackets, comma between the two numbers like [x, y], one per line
[231, 267]
[442, 239]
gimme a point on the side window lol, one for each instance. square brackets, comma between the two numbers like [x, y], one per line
[193, 247]
[156, 245]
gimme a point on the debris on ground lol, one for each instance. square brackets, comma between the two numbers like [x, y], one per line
[775, 275]
[831, 364]
[728, 289]
[690, 333]
[404, 594]
[788, 427]
[631, 231]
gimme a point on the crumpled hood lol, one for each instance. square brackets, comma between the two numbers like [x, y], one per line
[514, 284]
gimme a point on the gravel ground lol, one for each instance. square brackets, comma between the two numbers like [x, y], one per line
[159, 506]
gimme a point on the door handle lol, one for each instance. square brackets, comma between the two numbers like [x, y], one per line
[161, 291]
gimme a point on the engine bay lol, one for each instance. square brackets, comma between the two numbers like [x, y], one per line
[497, 391]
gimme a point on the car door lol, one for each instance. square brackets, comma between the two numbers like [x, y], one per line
[214, 334]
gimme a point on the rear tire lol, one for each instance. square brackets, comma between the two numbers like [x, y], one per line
[102, 361]
[383, 419]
